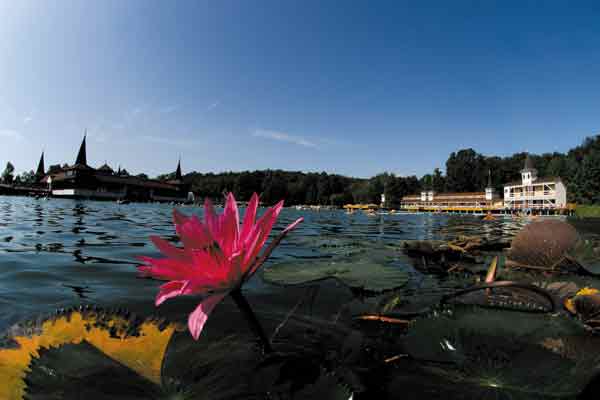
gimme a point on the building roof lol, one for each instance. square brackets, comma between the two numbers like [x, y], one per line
[40, 168]
[449, 195]
[132, 180]
[178, 176]
[82, 155]
[106, 168]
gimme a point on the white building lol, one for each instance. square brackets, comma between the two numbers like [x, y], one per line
[533, 192]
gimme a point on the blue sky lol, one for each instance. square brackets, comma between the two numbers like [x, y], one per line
[354, 87]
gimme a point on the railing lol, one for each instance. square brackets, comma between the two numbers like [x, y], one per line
[545, 193]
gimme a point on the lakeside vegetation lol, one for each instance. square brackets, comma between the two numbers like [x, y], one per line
[466, 171]
[588, 211]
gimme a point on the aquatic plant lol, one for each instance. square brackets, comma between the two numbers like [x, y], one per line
[129, 341]
[217, 258]
[493, 353]
[360, 273]
[90, 352]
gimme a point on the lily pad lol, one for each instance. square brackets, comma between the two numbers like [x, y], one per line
[502, 351]
[363, 274]
[97, 354]
[75, 371]
[138, 344]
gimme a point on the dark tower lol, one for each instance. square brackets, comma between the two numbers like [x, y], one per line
[81, 156]
[41, 170]
[528, 164]
[178, 176]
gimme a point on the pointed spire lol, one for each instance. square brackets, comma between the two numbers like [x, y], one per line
[41, 170]
[178, 171]
[489, 178]
[81, 156]
[528, 164]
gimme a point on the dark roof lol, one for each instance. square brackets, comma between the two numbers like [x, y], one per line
[81, 156]
[178, 176]
[544, 179]
[106, 168]
[132, 180]
[41, 169]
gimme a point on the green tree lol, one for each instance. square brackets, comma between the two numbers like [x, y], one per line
[27, 178]
[465, 171]
[438, 181]
[8, 174]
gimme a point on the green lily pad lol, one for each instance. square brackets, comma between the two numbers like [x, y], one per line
[526, 355]
[363, 274]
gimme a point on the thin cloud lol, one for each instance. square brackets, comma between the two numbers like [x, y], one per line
[168, 109]
[213, 106]
[27, 119]
[284, 137]
[169, 141]
[11, 134]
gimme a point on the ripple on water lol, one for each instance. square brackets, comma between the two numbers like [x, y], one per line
[51, 250]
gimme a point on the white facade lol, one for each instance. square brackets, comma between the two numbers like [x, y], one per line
[489, 193]
[535, 193]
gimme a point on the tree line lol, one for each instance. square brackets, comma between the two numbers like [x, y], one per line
[466, 171]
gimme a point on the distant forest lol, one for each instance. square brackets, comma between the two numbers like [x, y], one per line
[466, 171]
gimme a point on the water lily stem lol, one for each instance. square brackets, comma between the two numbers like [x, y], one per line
[245, 308]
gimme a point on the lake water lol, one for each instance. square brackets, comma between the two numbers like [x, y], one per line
[57, 254]
[60, 253]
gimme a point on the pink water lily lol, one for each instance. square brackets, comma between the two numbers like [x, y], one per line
[217, 258]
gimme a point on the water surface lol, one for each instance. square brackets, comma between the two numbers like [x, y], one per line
[59, 253]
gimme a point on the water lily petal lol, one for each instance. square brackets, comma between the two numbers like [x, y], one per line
[168, 290]
[178, 217]
[211, 219]
[168, 249]
[198, 317]
[267, 221]
[230, 227]
[165, 268]
[249, 217]
[270, 249]
[263, 227]
[250, 251]
[194, 234]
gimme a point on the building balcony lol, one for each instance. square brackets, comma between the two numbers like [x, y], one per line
[531, 195]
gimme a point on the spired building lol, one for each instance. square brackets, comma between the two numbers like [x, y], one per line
[533, 192]
[82, 181]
